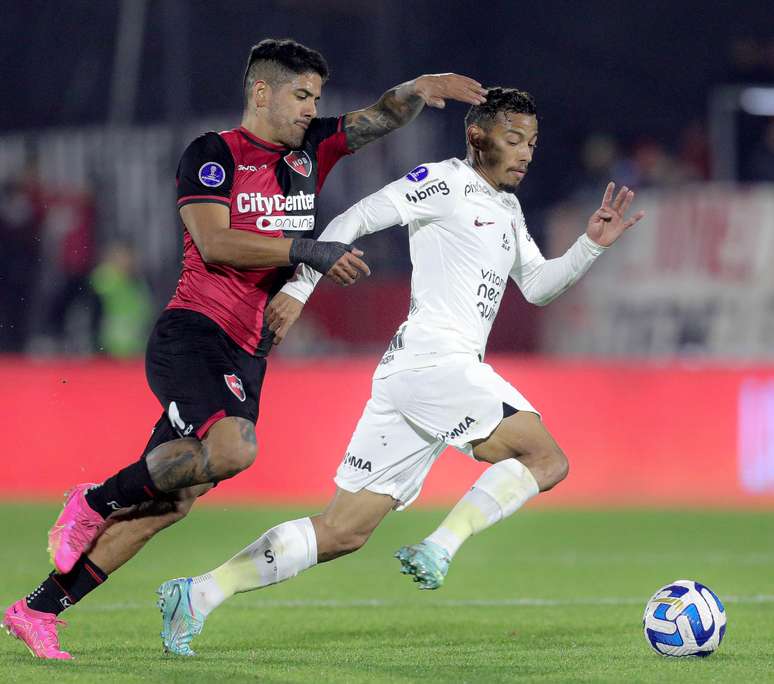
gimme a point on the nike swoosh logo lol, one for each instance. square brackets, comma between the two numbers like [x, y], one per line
[478, 223]
[173, 619]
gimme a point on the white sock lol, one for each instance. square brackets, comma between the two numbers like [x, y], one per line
[501, 490]
[279, 554]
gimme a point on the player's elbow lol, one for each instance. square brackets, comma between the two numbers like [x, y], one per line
[205, 247]
[209, 251]
[214, 253]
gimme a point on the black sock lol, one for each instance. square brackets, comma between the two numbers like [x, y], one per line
[130, 486]
[58, 592]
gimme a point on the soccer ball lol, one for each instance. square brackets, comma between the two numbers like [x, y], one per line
[684, 618]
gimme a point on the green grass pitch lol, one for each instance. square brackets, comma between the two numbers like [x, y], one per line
[546, 596]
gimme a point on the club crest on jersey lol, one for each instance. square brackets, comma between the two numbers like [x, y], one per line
[417, 174]
[235, 385]
[299, 162]
[212, 174]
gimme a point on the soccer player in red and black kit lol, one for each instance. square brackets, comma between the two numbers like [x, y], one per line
[248, 199]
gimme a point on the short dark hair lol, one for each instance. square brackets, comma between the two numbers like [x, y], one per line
[276, 60]
[500, 99]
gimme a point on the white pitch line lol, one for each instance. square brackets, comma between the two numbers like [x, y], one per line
[448, 603]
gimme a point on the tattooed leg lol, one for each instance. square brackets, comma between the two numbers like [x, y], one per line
[228, 448]
[179, 464]
[128, 532]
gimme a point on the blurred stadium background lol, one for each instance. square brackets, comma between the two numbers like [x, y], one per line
[656, 372]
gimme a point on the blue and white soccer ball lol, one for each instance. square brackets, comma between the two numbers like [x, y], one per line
[684, 618]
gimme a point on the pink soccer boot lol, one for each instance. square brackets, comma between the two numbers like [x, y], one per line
[74, 531]
[37, 630]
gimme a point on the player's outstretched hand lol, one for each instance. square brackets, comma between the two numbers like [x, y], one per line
[348, 268]
[435, 89]
[609, 222]
[282, 312]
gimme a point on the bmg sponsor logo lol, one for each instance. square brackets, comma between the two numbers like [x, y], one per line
[756, 435]
[435, 188]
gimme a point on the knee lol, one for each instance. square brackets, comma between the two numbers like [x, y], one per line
[339, 540]
[232, 449]
[348, 541]
[555, 470]
[233, 459]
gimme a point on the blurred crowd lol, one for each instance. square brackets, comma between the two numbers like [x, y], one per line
[643, 163]
[62, 290]
[70, 285]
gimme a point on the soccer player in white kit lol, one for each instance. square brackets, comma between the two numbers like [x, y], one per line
[431, 389]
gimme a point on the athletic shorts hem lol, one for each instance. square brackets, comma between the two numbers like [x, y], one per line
[485, 432]
[376, 489]
[207, 424]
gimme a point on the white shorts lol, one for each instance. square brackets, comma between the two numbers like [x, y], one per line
[413, 415]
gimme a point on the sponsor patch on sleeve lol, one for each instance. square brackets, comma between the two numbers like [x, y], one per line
[211, 174]
[418, 174]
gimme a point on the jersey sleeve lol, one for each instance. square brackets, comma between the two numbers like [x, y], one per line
[427, 192]
[328, 140]
[374, 213]
[205, 172]
[528, 251]
[542, 280]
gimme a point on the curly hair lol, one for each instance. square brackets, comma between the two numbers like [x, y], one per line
[500, 99]
[277, 60]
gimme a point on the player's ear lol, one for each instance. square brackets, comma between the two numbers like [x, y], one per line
[476, 136]
[261, 91]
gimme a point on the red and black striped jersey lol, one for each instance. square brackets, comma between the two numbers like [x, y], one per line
[270, 190]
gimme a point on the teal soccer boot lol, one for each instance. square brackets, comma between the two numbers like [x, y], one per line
[181, 622]
[427, 562]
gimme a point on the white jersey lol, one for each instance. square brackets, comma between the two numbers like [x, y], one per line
[466, 239]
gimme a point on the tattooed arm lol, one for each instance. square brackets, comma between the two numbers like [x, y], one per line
[401, 104]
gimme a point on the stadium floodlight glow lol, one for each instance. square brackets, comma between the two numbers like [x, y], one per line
[758, 101]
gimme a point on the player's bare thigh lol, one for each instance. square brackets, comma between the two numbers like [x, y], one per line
[348, 521]
[524, 437]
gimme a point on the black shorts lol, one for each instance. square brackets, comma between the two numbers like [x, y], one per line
[199, 375]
